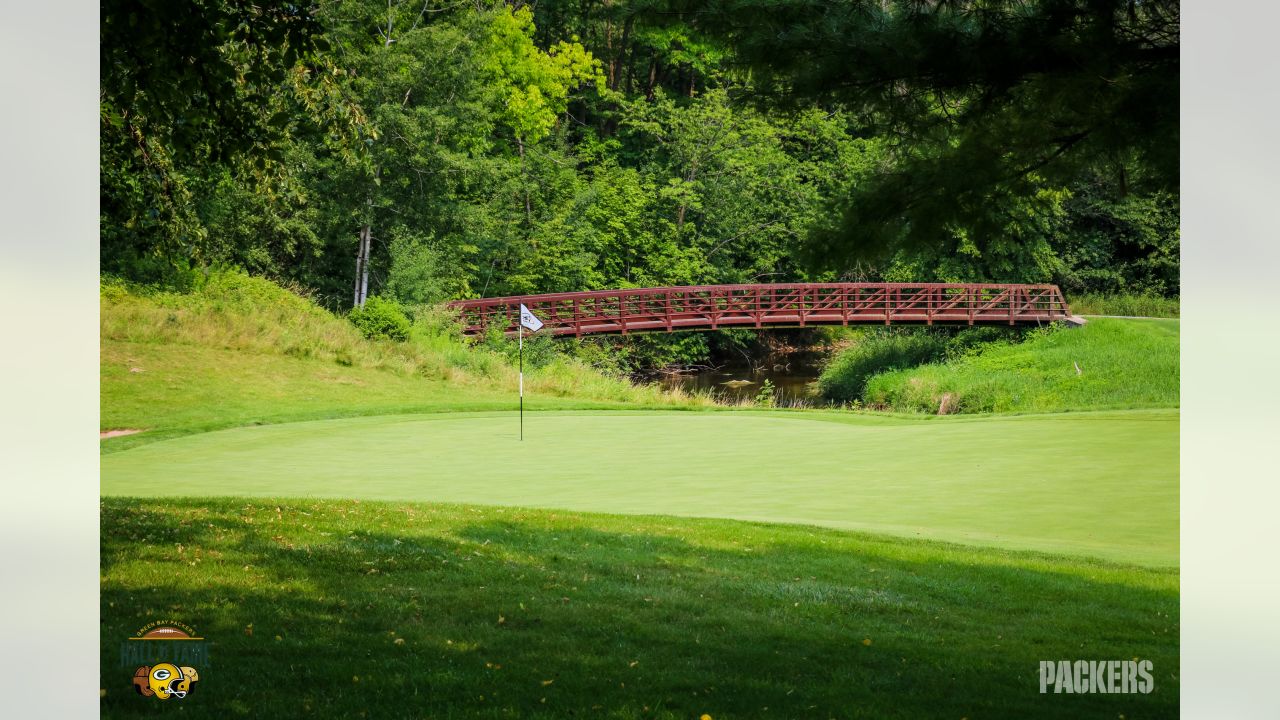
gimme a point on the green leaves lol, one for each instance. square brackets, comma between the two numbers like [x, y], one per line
[198, 71]
[617, 145]
[981, 95]
[530, 86]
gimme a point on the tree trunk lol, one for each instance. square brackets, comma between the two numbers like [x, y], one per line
[364, 275]
[362, 267]
[355, 288]
[361, 287]
[623, 56]
[608, 45]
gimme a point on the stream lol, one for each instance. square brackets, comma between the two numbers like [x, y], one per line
[793, 382]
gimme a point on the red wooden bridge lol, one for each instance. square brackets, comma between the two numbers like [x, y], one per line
[708, 307]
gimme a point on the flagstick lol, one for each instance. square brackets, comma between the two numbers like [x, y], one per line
[534, 324]
[520, 334]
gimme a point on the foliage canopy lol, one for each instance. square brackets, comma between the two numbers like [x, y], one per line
[507, 149]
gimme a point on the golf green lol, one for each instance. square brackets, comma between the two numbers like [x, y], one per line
[1093, 484]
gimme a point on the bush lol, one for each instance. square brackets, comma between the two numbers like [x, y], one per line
[766, 396]
[420, 273]
[381, 319]
[845, 378]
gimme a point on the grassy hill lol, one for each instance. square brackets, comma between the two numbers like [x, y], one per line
[239, 351]
[1107, 364]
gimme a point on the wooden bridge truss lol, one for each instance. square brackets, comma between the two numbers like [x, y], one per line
[708, 307]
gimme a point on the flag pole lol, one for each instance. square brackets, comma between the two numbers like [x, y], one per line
[531, 321]
[520, 334]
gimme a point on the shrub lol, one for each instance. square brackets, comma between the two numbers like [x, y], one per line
[420, 273]
[766, 396]
[381, 319]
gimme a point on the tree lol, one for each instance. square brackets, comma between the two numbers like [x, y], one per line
[990, 100]
[199, 102]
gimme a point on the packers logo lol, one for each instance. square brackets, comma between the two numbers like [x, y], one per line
[165, 680]
[166, 654]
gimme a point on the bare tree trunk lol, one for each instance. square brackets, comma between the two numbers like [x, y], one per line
[386, 37]
[364, 257]
[355, 292]
[364, 274]
[362, 266]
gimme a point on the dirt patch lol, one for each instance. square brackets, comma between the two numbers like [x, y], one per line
[117, 433]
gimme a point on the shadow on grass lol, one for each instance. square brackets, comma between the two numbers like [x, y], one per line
[344, 609]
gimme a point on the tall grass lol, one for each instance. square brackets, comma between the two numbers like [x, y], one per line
[870, 352]
[1127, 305]
[229, 310]
[1108, 364]
[845, 378]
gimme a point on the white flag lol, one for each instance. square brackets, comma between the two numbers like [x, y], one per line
[529, 320]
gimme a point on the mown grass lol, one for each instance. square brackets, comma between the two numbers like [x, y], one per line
[239, 351]
[1125, 305]
[1107, 364]
[397, 610]
[939, 478]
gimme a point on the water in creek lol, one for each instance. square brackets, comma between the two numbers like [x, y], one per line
[793, 383]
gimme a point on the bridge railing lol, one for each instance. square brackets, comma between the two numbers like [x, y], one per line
[773, 305]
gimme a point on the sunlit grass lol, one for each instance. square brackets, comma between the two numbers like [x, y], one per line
[1127, 305]
[1108, 364]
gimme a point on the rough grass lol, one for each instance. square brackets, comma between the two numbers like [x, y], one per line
[1125, 305]
[845, 377]
[1121, 364]
[358, 609]
[239, 350]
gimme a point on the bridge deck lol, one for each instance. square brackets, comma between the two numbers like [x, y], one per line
[708, 307]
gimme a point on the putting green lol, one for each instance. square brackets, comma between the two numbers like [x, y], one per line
[1097, 484]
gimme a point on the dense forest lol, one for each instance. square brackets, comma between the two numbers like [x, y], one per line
[431, 150]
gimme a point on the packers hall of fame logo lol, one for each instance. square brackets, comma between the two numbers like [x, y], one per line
[166, 655]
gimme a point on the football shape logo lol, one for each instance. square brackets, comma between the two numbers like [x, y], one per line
[166, 632]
